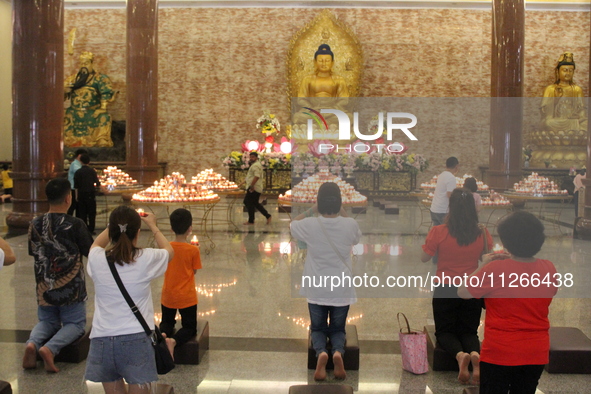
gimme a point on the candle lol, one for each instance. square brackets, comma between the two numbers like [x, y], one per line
[141, 212]
[195, 241]
[498, 249]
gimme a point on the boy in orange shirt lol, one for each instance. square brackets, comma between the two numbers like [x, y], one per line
[178, 291]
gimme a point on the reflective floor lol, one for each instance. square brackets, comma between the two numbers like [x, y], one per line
[258, 325]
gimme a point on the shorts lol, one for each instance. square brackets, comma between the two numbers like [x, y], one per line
[8, 191]
[130, 357]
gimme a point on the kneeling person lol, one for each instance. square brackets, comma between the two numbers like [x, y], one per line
[57, 241]
[178, 291]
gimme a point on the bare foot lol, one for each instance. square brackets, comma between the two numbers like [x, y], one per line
[269, 220]
[30, 358]
[320, 373]
[463, 361]
[170, 344]
[475, 359]
[47, 357]
[339, 366]
[248, 224]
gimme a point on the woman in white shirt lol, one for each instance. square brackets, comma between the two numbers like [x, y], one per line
[119, 347]
[329, 238]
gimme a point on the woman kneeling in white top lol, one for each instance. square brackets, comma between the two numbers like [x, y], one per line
[119, 347]
[329, 239]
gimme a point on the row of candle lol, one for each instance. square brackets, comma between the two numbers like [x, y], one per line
[113, 177]
[459, 183]
[307, 190]
[537, 185]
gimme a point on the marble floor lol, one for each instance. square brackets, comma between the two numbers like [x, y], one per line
[258, 325]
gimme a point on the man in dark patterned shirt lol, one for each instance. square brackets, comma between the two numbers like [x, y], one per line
[57, 241]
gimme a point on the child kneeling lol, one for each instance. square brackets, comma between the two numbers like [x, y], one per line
[178, 291]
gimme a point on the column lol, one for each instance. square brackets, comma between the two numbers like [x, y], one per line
[583, 225]
[37, 110]
[142, 90]
[507, 72]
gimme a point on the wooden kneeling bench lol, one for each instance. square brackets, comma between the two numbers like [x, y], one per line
[391, 209]
[5, 387]
[75, 352]
[439, 359]
[193, 351]
[321, 389]
[351, 356]
[570, 351]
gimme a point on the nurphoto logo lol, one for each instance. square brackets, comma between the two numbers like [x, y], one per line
[345, 130]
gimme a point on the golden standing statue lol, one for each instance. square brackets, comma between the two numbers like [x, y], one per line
[563, 137]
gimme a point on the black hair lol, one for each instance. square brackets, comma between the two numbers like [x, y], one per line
[462, 219]
[582, 172]
[124, 223]
[180, 220]
[470, 184]
[254, 154]
[84, 158]
[522, 234]
[329, 199]
[451, 162]
[57, 190]
[80, 151]
[5, 166]
[324, 49]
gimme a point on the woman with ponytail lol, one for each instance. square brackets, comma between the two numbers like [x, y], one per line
[119, 347]
[459, 243]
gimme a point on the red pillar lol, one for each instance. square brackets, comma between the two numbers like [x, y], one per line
[583, 225]
[142, 90]
[37, 111]
[507, 71]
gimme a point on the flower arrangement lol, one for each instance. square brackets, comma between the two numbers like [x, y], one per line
[336, 163]
[383, 162]
[268, 124]
[273, 160]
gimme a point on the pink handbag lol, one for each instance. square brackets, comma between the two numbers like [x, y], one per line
[413, 347]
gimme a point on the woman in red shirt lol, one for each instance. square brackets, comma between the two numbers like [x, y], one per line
[516, 338]
[459, 243]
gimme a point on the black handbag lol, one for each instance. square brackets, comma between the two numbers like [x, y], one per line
[164, 361]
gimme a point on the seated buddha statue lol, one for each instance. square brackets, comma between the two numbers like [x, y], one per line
[323, 89]
[563, 108]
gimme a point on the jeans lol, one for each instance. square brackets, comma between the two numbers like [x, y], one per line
[188, 322]
[502, 379]
[129, 357]
[251, 201]
[321, 329]
[58, 326]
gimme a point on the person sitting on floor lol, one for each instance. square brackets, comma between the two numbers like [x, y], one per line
[7, 184]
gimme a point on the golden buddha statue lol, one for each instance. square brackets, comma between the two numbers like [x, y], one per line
[562, 138]
[323, 89]
[323, 83]
[86, 120]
